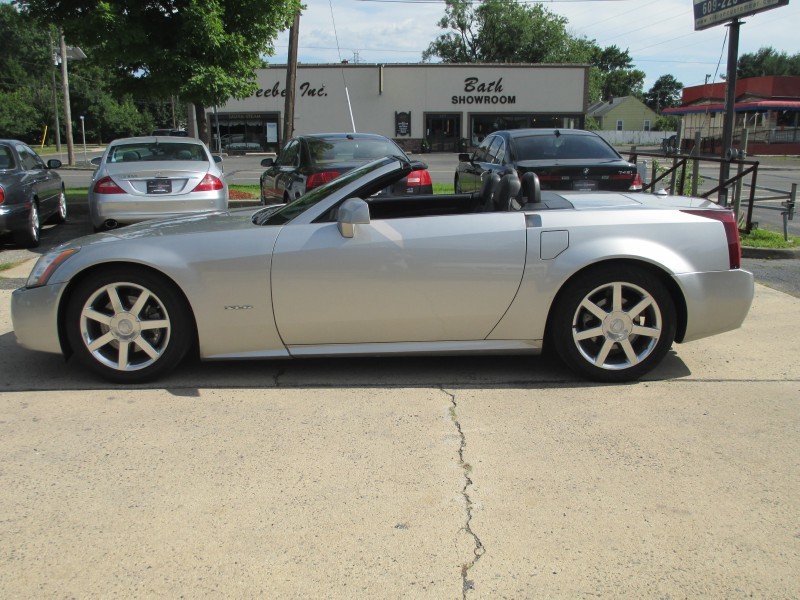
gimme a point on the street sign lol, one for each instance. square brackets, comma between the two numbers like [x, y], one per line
[708, 13]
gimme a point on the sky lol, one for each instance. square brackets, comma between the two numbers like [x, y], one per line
[658, 34]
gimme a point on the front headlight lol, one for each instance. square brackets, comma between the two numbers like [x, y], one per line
[47, 265]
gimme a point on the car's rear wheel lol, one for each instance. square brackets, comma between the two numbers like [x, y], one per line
[29, 236]
[128, 326]
[61, 213]
[614, 323]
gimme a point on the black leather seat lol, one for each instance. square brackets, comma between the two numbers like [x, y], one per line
[531, 192]
[507, 196]
[486, 195]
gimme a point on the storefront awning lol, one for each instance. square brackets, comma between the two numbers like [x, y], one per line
[756, 106]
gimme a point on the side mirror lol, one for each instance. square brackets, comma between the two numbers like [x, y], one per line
[267, 162]
[53, 163]
[352, 212]
[464, 157]
[96, 161]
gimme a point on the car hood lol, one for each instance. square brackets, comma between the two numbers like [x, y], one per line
[212, 222]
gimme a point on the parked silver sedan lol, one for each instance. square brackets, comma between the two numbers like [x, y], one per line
[609, 280]
[157, 176]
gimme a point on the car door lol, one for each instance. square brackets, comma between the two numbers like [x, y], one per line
[423, 279]
[471, 175]
[44, 183]
[279, 178]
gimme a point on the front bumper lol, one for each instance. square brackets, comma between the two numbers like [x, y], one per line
[34, 316]
[716, 301]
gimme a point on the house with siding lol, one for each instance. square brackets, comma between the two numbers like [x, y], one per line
[626, 113]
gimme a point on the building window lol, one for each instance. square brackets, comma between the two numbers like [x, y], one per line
[647, 124]
[619, 125]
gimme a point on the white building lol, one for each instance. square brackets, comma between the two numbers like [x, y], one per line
[446, 105]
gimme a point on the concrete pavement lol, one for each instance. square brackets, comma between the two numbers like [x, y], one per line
[395, 478]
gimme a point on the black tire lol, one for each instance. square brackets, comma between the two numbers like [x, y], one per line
[29, 237]
[61, 213]
[105, 315]
[631, 337]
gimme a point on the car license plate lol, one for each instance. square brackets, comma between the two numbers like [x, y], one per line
[584, 185]
[159, 186]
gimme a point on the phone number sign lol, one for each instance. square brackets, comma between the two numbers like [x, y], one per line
[708, 13]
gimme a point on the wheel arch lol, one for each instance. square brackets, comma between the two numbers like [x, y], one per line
[659, 272]
[115, 266]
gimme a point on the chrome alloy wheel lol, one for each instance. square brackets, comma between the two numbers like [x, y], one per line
[617, 325]
[125, 326]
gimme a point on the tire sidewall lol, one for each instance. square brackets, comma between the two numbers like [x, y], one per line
[575, 291]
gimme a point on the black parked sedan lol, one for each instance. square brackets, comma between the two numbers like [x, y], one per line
[308, 161]
[563, 159]
[30, 193]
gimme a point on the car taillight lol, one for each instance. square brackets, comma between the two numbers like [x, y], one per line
[106, 185]
[209, 184]
[418, 178]
[318, 179]
[728, 220]
[636, 186]
[2, 195]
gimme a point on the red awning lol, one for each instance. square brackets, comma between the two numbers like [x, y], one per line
[756, 106]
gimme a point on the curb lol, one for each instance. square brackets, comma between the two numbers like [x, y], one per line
[771, 253]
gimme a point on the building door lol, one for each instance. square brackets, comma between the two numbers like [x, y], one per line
[443, 131]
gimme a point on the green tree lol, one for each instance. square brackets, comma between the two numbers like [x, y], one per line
[26, 94]
[504, 31]
[501, 31]
[205, 51]
[614, 72]
[665, 93]
[767, 61]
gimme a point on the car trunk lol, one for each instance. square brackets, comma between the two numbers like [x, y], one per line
[156, 182]
[580, 175]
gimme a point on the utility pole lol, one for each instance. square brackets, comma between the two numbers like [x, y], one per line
[291, 80]
[54, 56]
[67, 111]
[730, 105]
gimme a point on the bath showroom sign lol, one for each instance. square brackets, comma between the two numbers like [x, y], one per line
[483, 92]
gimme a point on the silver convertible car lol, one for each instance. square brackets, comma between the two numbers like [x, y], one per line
[609, 280]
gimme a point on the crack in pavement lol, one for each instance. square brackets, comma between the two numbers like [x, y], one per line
[478, 550]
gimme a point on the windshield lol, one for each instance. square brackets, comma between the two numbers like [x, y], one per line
[546, 147]
[337, 150]
[135, 152]
[299, 206]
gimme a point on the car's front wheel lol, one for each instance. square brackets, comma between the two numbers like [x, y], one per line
[128, 326]
[613, 323]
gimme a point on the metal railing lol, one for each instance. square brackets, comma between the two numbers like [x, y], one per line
[678, 179]
[677, 184]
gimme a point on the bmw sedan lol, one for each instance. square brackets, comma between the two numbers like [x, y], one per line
[563, 159]
[608, 280]
[308, 161]
[31, 193]
[149, 177]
